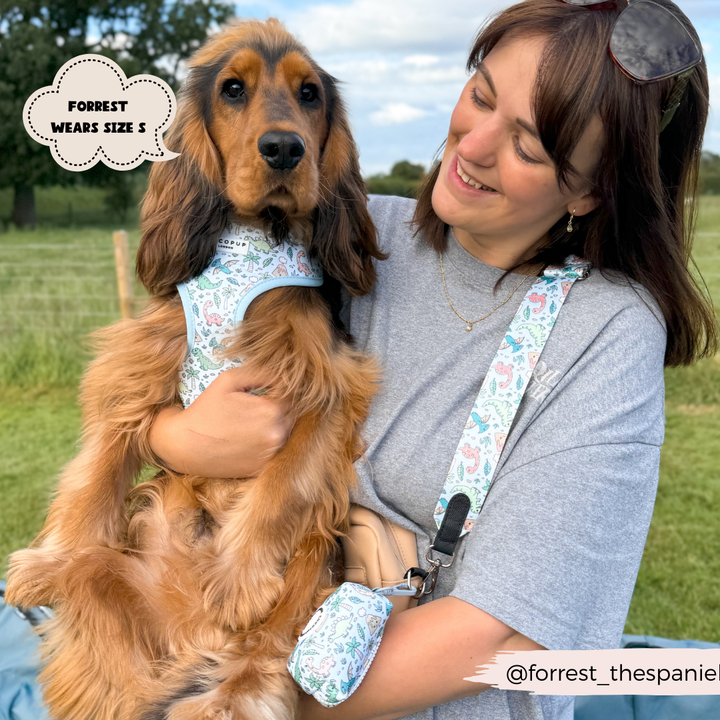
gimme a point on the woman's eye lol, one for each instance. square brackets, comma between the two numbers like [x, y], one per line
[309, 93]
[233, 89]
[476, 100]
[518, 150]
[523, 156]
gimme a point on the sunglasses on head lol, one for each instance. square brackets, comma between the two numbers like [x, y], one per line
[648, 44]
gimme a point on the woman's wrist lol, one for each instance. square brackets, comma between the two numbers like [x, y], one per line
[164, 438]
[414, 670]
[226, 433]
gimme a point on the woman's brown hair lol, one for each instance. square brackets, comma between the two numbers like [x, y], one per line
[647, 187]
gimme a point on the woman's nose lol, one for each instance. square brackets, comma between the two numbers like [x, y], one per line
[481, 145]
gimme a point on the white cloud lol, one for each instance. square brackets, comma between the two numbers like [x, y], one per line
[712, 135]
[453, 72]
[397, 109]
[401, 63]
[714, 81]
[357, 69]
[424, 25]
[421, 61]
[396, 114]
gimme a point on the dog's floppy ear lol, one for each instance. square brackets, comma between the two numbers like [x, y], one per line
[344, 237]
[184, 210]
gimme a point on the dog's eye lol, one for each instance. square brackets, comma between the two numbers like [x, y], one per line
[309, 93]
[233, 89]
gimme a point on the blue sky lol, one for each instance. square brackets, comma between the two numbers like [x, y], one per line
[402, 64]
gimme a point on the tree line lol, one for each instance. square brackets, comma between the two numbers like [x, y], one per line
[709, 174]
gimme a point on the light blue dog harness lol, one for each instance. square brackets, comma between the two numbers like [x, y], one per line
[244, 266]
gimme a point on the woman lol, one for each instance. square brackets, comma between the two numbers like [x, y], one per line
[552, 150]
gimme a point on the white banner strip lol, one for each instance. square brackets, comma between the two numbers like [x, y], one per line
[632, 671]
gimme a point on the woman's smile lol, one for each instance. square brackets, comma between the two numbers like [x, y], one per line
[467, 182]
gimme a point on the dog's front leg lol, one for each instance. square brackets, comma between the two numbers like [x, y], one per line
[253, 682]
[88, 510]
[261, 533]
[133, 377]
[305, 487]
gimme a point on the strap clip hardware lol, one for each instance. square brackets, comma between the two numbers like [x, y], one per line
[438, 563]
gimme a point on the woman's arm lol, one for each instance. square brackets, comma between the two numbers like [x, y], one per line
[555, 551]
[226, 433]
[424, 655]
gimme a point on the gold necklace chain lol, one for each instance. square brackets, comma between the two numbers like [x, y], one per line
[473, 322]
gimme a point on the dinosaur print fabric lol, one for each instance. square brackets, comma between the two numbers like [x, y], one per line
[502, 390]
[244, 266]
[335, 649]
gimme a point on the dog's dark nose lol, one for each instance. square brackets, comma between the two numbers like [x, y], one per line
[281, 150]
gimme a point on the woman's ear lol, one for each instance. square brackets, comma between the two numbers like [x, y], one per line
[184, 209]
[344, 237]
[583, 205]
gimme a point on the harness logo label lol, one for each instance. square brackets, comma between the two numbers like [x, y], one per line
[233, 245]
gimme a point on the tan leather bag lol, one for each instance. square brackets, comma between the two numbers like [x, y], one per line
[378, 553]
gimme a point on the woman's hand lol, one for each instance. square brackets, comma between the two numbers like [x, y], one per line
[226, 433]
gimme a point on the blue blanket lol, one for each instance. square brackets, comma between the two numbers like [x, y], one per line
[20, 695]
[21, 698]
[651, 707]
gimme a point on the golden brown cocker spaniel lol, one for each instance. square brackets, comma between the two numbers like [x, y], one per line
[183, 597]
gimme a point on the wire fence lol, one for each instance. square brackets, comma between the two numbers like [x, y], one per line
[56, 287]
[59, 284]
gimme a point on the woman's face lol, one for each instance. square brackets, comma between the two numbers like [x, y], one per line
[497, 186]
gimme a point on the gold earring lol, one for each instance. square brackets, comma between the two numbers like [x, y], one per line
[569, 225]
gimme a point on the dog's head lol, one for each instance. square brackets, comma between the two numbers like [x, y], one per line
[263, 136]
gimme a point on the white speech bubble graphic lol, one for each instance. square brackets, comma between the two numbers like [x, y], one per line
[93, 113]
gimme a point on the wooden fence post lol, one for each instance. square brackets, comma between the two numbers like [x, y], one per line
[124, 276]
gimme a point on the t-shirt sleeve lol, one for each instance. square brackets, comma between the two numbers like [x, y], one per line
[555, 551]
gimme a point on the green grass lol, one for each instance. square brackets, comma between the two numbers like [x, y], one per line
[678, 589]
[39, 431]
[707, 245]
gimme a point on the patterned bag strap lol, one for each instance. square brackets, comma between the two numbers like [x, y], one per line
[502, 390]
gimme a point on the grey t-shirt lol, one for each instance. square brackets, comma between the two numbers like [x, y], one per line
[555, 551]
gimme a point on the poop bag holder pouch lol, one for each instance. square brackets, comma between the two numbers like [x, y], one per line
[336, 647]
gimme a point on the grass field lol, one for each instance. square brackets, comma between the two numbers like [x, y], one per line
[678, 589]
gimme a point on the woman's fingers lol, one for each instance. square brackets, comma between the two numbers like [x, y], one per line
[244, 379]
[229, 430]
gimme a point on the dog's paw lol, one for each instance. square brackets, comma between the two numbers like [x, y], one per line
[32, 576]
[239, 600]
